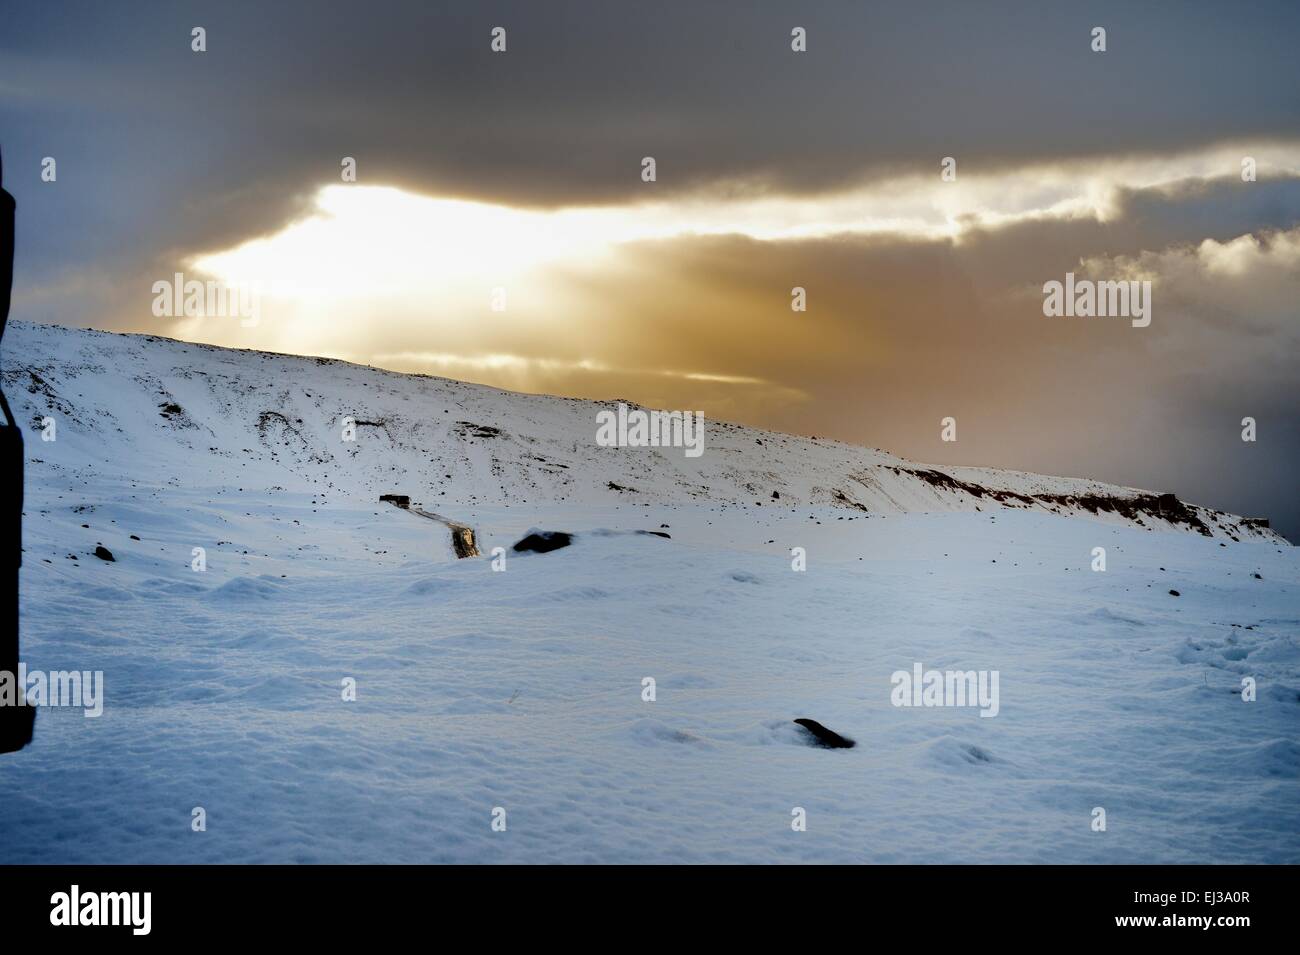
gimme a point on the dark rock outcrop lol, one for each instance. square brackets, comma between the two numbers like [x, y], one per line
[823, 737]
[543, 542]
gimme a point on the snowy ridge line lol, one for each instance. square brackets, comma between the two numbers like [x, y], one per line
[158, 410]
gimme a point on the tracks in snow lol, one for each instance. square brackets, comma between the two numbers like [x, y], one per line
[462, 535]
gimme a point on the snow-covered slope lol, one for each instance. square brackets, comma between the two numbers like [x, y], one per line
[520, 686]
[223, 417]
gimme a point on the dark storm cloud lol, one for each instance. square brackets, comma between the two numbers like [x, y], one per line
[1185, 213]
[188, 151]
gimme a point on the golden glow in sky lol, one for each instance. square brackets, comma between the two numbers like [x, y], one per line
[366, 241]
[501, 294]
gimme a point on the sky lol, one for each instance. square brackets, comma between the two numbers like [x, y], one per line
[515, 179]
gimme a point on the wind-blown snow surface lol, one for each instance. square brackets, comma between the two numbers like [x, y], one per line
[523, 688]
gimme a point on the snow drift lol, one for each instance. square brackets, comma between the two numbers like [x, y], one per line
[318, 673]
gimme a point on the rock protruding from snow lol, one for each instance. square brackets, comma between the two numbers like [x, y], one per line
[543, 542]
[823, 737]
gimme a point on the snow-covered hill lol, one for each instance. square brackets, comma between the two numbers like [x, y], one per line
[195, 413]
[797, 579]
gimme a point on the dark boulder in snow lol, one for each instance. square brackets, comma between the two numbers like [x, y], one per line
[823, 737]
[543, 542]
[103, 553]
